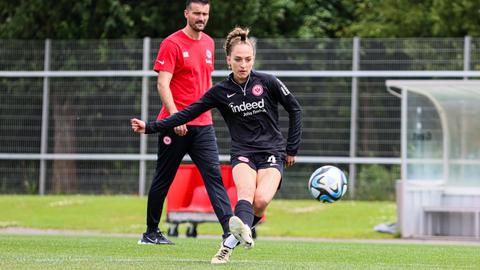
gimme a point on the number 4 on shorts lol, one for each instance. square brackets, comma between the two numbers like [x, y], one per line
[272, 159]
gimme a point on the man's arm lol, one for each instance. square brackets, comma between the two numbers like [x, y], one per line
[163, 88]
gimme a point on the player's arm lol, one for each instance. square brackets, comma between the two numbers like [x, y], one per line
[291, 105]
[176, 119]
[163, 88]
[294, 110]
[294, 129]
[186, 115]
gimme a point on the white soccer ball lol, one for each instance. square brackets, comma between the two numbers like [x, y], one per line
[327, 184]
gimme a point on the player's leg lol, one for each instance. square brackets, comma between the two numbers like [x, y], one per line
[171, 149]
[204, 154]
[269, 176]
[231, 241]
[244, 177]
[268, 181]
[244, 192]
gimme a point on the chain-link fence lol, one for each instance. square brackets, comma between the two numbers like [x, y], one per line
[65, 107]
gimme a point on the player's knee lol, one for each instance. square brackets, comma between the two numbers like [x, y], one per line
[260, 204]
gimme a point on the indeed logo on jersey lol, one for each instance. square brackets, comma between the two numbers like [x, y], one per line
[249, 108]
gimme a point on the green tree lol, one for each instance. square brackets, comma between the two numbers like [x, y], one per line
[410, 18]
[325, 18]
[62, 19]
[284, 18]
[93, 19]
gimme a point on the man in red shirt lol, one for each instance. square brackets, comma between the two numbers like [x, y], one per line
[184, 65]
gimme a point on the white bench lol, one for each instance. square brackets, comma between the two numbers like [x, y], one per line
[428, 212]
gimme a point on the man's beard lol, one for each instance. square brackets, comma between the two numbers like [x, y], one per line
[196, 28]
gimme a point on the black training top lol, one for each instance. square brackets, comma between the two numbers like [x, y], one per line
[251, 113]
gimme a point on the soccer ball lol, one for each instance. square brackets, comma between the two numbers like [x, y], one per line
[327, 184]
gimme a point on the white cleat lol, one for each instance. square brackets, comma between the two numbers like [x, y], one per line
[241, 231]
[223, 255]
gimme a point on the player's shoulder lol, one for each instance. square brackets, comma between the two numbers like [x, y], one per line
[207, 40]
[174, 37]
[223, 84]
[206, 37]
[264, 77]
[216, 90]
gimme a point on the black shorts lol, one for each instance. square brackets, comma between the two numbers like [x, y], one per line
[260, 161]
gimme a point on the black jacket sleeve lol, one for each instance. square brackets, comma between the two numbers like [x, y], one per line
[291, 105]
[205, 103]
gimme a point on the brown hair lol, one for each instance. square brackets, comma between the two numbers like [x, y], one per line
[238, 36]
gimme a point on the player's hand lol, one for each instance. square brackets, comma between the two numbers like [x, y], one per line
[290, 161]
[137, 125]
[181, 130]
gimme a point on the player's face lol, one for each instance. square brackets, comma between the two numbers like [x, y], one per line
[241, 61]
[197, 16]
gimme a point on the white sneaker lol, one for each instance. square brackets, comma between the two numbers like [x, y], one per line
[223, 255]
[241, 231]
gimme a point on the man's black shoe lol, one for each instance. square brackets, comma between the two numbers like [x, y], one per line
[154, 238]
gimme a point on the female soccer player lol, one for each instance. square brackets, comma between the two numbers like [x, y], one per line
[248, 101]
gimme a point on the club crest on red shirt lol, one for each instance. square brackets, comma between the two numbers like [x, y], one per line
[208, 54]
[257, 90]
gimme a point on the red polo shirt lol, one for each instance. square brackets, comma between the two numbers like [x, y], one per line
[191, 63]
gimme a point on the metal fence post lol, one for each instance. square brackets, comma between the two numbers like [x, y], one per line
[466, 67]
[144, 114]
[403, 135]
[354, 115]
[466, 54]
[45, 111]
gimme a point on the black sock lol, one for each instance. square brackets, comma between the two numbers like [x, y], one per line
[256, 220]
[244, 211]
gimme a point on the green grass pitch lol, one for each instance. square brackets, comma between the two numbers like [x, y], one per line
[126, 214]
[100, 252]
[118, 222]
